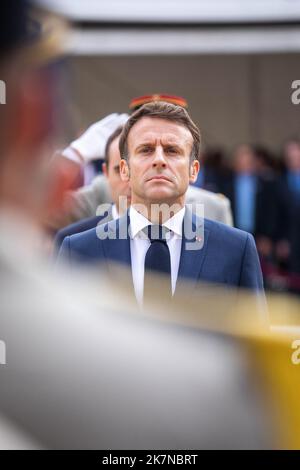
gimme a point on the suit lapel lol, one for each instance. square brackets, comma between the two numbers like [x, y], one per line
[117, 244]
[116, 249]
[193, 249]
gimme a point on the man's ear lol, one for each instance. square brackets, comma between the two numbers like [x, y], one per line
[124, 170]
[104, 169]
[194, 170]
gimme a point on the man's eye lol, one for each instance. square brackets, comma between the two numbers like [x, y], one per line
[171, 150]
[146, 150]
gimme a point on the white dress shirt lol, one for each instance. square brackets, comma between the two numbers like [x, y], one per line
[139, 244]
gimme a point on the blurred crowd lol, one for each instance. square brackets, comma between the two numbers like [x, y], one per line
[263, 188]
[264, 191]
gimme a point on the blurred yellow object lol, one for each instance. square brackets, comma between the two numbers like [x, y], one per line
[272, 347]
[273, 360]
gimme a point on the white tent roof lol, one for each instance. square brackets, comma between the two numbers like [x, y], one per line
[174, 11]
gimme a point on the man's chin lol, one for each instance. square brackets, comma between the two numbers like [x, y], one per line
[160, 196]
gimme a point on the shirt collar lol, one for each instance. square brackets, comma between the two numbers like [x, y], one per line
[138, 222]
[175, 223]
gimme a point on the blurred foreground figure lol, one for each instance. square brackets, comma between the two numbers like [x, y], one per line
[84, 373]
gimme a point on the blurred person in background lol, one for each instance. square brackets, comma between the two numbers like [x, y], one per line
[295, 242]
[291, 162]
[287, 247]
[265, 162]
[255, 197]
[118, 189]
[213, 170]
[81, 202]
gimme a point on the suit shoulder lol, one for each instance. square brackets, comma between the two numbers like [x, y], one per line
[85, 236]
[223, 200]
[84, 245]
[230, 243]
[92, 233]
[203, 195]
[223, 230]
[81, 225]
[110, 226]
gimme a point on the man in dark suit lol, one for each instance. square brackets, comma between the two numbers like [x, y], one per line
[253, 194]
[287, 251]
[216, 207]
[160, 147]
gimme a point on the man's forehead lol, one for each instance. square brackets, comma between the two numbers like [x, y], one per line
[151, 129]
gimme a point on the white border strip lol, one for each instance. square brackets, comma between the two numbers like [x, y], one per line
[180, 41]
[177, 11]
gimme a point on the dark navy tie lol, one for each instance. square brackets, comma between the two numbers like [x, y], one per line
[157, 259]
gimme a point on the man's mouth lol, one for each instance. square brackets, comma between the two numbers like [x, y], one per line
[159, 177]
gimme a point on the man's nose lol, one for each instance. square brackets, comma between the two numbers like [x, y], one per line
[159, 158]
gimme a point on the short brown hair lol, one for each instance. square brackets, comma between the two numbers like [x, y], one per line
[162, 110]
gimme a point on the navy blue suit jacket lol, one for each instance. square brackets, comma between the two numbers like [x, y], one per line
[80, 226]
[225, 255]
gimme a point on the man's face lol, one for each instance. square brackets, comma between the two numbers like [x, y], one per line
[159, 167]
[117, 186]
